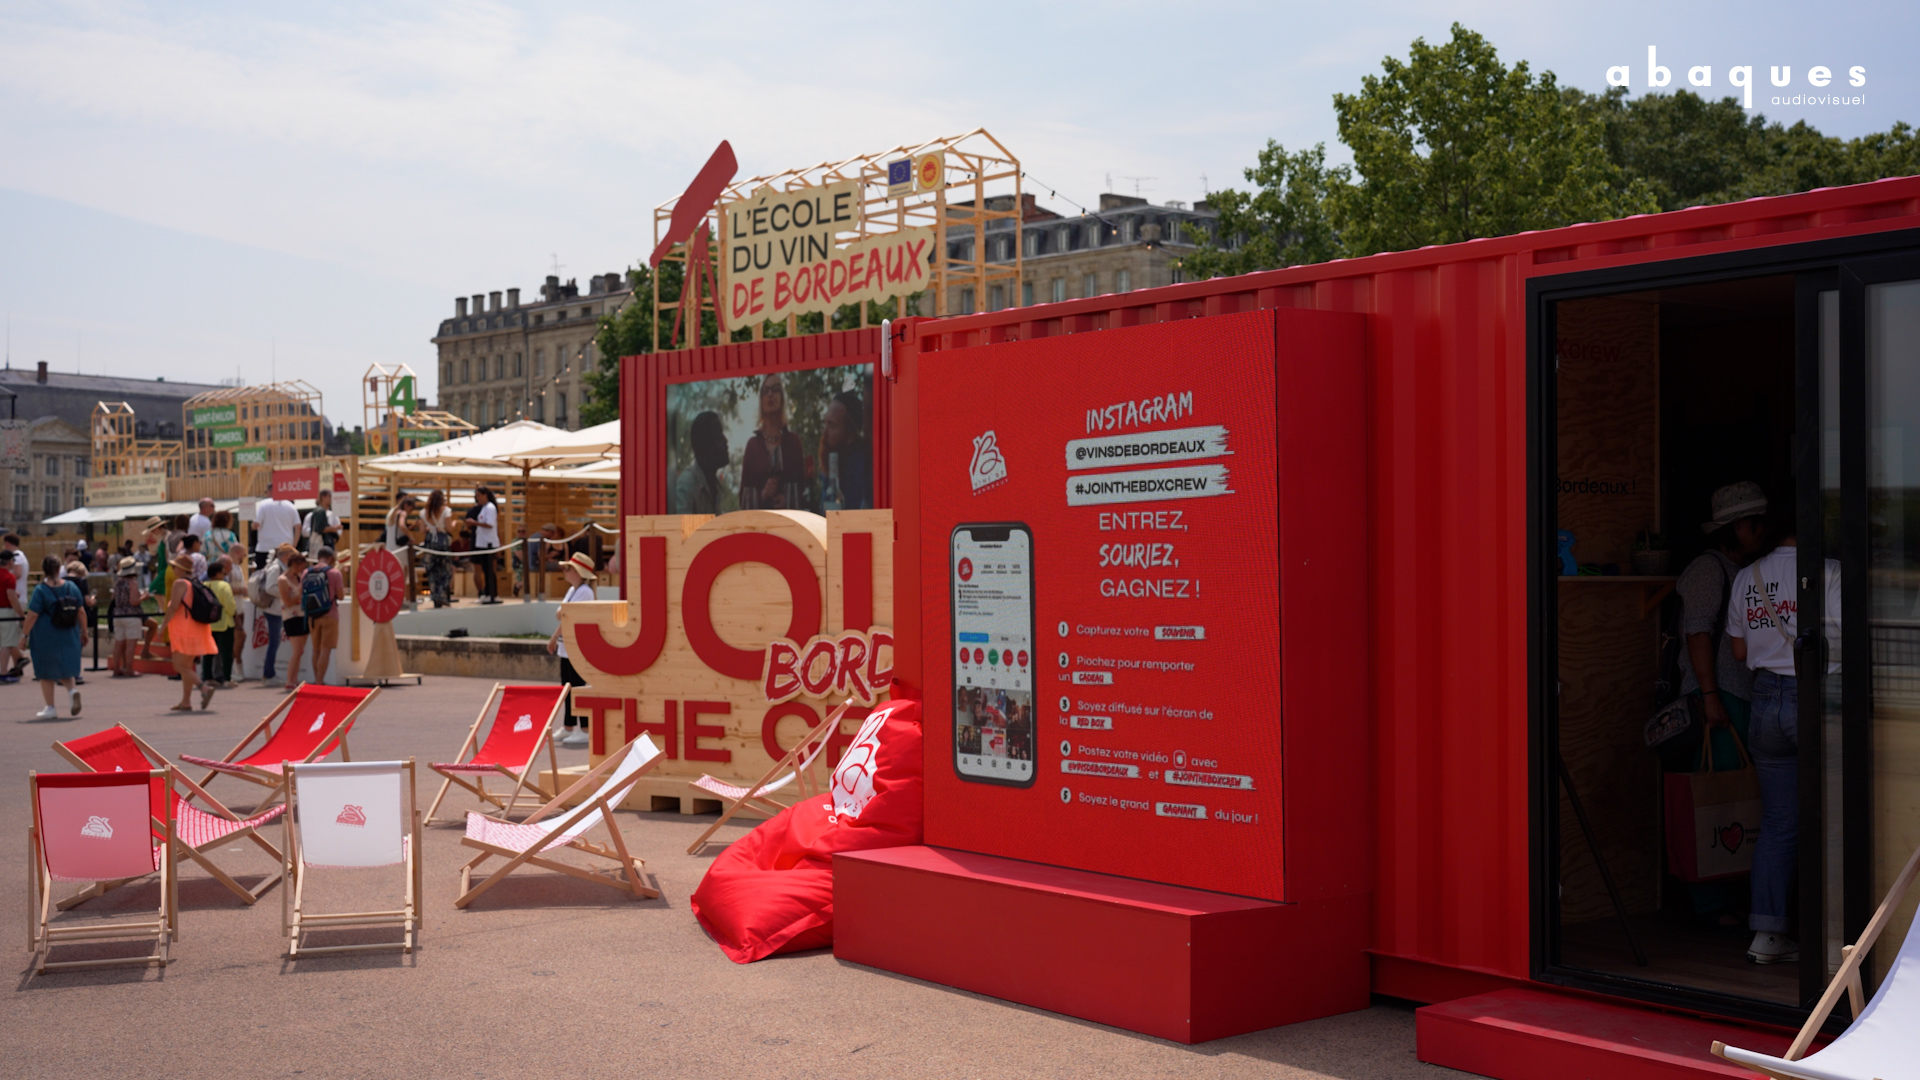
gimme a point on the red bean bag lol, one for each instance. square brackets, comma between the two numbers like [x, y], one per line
[771, 891]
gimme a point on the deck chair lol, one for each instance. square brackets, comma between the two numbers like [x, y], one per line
[317, 720]
[796, 766]
[522, 726]
[96, 827]
[533, 840]
[349, 814]
[1881, 1041]
[119, 750]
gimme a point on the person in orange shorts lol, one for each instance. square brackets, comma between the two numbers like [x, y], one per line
[188, 638]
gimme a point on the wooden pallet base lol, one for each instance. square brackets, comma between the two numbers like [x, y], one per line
[660, 795]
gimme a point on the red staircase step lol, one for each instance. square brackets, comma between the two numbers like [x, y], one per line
[1535, 1035]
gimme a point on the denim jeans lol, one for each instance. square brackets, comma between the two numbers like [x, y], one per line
[273, 644]
[1776, 757]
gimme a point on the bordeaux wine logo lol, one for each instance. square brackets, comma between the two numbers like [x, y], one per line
[1818, 77]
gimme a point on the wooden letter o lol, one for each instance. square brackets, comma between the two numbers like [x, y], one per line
[697, 593]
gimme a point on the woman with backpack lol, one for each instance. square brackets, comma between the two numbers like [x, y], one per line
[294, 622]
[190, 614]
[55, 634]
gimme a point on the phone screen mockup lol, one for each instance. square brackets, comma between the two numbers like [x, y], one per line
[994, 732]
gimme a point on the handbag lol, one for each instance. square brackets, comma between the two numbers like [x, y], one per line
[1712, 817]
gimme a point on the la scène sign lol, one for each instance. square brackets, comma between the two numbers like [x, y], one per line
[738, 633]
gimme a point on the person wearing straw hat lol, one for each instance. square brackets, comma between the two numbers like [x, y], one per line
[127, 617]
[188, 639]
[580, 577]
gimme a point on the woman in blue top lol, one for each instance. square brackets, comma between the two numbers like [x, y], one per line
[56, 648]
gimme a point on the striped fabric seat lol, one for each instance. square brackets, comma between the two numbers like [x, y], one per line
[506, 834]
[235, 769]
[197, 828]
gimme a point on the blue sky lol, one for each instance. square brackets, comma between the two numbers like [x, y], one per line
[204, 190]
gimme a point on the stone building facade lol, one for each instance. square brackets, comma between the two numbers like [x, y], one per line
[502, 361]
[1128, 244]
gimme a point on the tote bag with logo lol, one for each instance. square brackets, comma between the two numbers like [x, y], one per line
[1713, 818]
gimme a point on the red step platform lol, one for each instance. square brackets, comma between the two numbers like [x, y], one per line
[1535, 1035]
[1176, 963]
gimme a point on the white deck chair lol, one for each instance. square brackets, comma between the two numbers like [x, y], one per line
[796, 766]
[532, 840]
[1883, 1040]
[346, 815]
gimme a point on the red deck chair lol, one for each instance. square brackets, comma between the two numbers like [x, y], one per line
[522, 725]
[99, 827]
[120, 750]
[317, 720]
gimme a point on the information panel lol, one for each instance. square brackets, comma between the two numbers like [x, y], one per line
[1101, 601]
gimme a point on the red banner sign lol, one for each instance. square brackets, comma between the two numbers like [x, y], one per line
[295, 484]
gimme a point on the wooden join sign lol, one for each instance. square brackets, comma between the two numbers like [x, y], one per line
[738, 634]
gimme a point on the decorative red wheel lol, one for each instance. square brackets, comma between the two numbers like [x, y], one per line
[378, 584]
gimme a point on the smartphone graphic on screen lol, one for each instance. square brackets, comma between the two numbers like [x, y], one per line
[994, 727]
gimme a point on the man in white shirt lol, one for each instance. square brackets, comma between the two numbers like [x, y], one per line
[202, 521]
[486, 534]
[276, 522]
[1762, 621]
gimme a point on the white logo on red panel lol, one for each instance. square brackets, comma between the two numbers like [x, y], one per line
[97, 827]
[988, 468]
[319, 720]
[351, 815]
[525, 723]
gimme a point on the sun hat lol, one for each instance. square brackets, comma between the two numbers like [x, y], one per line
[1736, 501]
[77, 571]
[181, 562]
[155, 523]
[128, 567]
[582, 564]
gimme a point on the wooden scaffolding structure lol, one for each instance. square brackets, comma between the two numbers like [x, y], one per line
[956, 207]
[395, 416]
[272, 424]
[118, 449]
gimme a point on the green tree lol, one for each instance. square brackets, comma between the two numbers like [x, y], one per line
[1453, 145]
[1283, 221]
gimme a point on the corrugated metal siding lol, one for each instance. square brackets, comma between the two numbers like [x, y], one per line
[1447, 387]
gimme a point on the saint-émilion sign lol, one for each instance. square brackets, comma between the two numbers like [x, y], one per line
[214, 416]
[127, 490]
[780, 255]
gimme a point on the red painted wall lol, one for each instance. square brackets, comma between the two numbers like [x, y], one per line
[1446, 469]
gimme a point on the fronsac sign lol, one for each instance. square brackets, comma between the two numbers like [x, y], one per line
[779, 256]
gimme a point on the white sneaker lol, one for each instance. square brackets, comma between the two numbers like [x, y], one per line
[1770, 948]
[574, 739]
[73, 703]
[47, 713]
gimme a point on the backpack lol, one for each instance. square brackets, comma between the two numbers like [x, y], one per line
[259, 589]
[64, 610]
[316, 593]
[202, 605]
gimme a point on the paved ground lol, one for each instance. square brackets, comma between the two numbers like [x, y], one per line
[547, 976]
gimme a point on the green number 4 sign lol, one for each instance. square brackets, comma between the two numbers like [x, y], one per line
[402, 396]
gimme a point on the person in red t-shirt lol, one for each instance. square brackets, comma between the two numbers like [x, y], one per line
[10, 611]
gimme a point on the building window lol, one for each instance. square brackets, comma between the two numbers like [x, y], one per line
[1059, 289]
[1066, 240]
[966, 301]
[79, 498]
[500, 366]
[1177, 274]
[539, 363]
[996, 298]
[540, 408]
[53, 465]
[50, 500]
[1123, 281]
[1090, 285]
[1126, 233]
[22, 500]
[82, 468]
[466, 371]
[1026, 294]
[446, 372]
[518, 365]
[560, 408]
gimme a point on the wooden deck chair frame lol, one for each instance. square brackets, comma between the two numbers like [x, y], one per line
[275, 782]
[631, 868]
[295, 920]
[183, 849]
[521, 783]
[758, 797]
[43, 936]
[1847, 979]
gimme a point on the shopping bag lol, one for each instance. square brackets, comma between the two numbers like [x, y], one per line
[1712, 818]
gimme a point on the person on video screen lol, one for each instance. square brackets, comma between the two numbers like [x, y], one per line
[843, 452]
[699, 489]
[773, 471]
